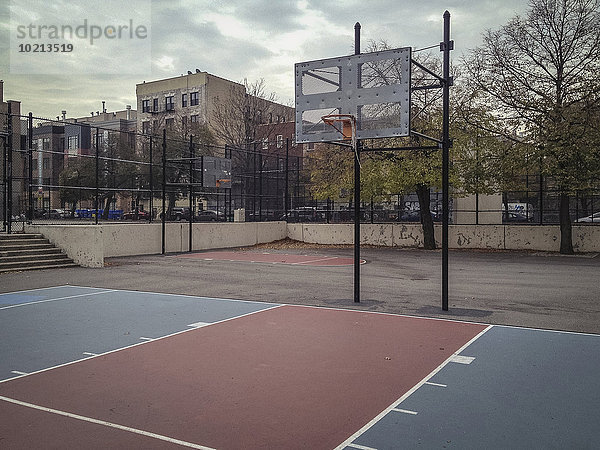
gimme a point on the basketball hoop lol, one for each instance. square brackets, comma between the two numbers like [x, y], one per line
[345, 124]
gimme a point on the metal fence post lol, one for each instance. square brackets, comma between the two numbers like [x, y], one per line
[97, 192]
[9, 171]
[151, 184]
[4, 180]
[30, 166]
[164, 189]
[191, 192]
[287, 177]
[260, 185]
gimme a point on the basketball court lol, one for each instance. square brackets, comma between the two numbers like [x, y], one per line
[97, 368]
[272, 258]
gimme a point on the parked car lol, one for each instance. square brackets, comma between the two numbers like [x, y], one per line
[415, 216]
[57, 213]
[179, 213]
[304, 214]
[595, 218]
[208, 215]
[133, 215]
[516, 217]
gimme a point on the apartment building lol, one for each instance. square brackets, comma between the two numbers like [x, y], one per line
[13, 137]
[180, 102]
[201, 98]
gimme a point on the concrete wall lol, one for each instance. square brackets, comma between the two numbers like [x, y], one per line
[83, 244]
[501, 237]
[88, 245]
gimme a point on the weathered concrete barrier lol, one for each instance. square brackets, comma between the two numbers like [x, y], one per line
[586, 238]
[88, 245]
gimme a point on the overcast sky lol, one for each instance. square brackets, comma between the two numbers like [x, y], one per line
[232, 39]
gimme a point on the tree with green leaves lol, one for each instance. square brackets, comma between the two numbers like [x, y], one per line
[540, 74]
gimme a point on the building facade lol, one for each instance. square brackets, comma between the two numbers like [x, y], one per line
[181, 102]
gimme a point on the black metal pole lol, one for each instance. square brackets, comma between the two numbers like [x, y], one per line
[191, 205]
[30, 165]
[260, 185]
[287, 177]
[447, 45]
[254, 183]
[97, 193]
[357, 192]
[9, 171]
[151, 184]
[164, 190]
[4, 180]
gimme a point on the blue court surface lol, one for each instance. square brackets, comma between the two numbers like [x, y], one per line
[507, 387]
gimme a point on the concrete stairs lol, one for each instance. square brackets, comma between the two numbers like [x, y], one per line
[29, 252]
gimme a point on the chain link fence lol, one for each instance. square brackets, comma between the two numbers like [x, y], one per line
[61, 171]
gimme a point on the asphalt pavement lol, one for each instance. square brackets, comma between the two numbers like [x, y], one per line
[538, 290]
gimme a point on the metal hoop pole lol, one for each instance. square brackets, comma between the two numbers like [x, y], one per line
[356, 150]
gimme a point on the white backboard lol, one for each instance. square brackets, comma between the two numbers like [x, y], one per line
[373, 87]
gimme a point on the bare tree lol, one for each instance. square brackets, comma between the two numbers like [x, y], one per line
[241, 120]
[541, 73]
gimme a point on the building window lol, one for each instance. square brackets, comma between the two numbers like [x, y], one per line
[46, 181]
[145, 106]
[73, 144]
[265, 144]
[184, 122]
[183, 100]
[169, 103]
[46, 163]
[194, 98]
[155, 105]
[169, 123]
[155, 126]
[46, 144]
[294, 140]
[194, 118]
[146, 127]
[279, 141]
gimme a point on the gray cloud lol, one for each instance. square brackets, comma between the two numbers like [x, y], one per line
[252, 39]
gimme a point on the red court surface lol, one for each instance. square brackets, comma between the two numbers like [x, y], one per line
[287, 377]
[273, 258]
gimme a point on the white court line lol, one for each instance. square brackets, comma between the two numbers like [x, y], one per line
[18, 372]
[90, 354]
[329, 258]
[199, 324]
[360, 447]
[142, 338]
[405, 411]
[106, 424]
[139, 343]
[377, 418]
[436, 384]
[327, 307]
[460, 359]
[36, 289]
[58, 298]
[255, 302]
